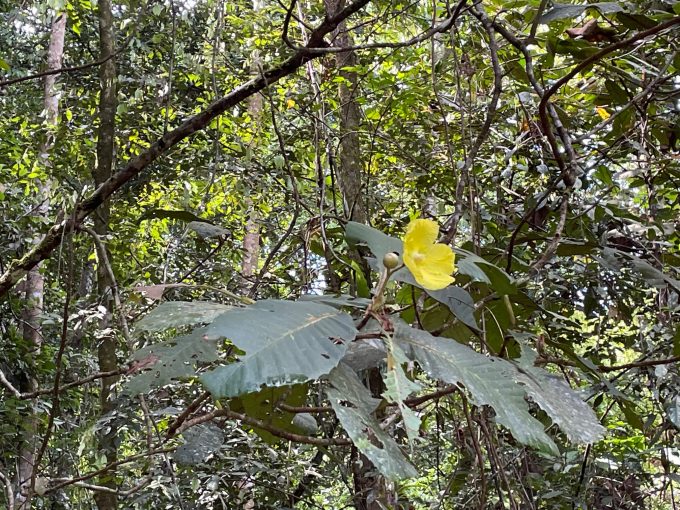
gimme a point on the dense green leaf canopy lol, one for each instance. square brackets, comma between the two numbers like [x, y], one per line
[197, 197]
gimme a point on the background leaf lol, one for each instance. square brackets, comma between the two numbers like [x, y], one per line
[171, 360]
[353, 406]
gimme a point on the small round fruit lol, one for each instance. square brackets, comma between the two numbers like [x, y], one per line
[391, 260]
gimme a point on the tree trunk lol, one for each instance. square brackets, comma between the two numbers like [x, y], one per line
[370, 490]
[105, 153]
[35, 282]
[350, 171]
[251, 240]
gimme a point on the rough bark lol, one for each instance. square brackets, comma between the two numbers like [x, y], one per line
[35, 282]
[106, 351]
[251, 240]
[370, 491]
[251, 243]
[349, 172]
[18, 268]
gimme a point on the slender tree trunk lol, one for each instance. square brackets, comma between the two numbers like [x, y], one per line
[251, 240]
[105, 154]
[370, 490]
[350, 171]
[251, 243]
[35, 282]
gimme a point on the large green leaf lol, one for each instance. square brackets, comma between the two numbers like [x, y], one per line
[285, 342]
[564, 406]
[398, 387]
[489, 381]
[353, 406]
[378, 242]
[172, 314]
[502, 384]
[173, 359]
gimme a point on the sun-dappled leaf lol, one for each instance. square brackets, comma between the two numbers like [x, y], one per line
[264, 406]
[353, 406]
[284, 342]
[172, 360]
[185, 216]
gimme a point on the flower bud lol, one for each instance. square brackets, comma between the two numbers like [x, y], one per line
[391, 260]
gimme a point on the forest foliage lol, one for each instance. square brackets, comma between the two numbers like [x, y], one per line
[371, 254]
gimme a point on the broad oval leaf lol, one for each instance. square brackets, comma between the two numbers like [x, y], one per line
[200, 442]
[167, 361]
[487, 380]
[285, 342]
[502, 385]
[172, 314]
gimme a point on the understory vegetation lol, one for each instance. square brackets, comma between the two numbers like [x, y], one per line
[334, 254]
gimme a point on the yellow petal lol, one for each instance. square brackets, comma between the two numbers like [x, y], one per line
[413, 266]
[434, 281]
[430, 264]
[441, 258]
[420, 234]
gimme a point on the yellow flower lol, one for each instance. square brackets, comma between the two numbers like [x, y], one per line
[430, 263]
[603, 113]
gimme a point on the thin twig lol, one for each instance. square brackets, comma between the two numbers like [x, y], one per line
[423, 36]
[73, 384]
[108, 467]
[192, 407]
[104, 260]
[61, 70]
[8, 385]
